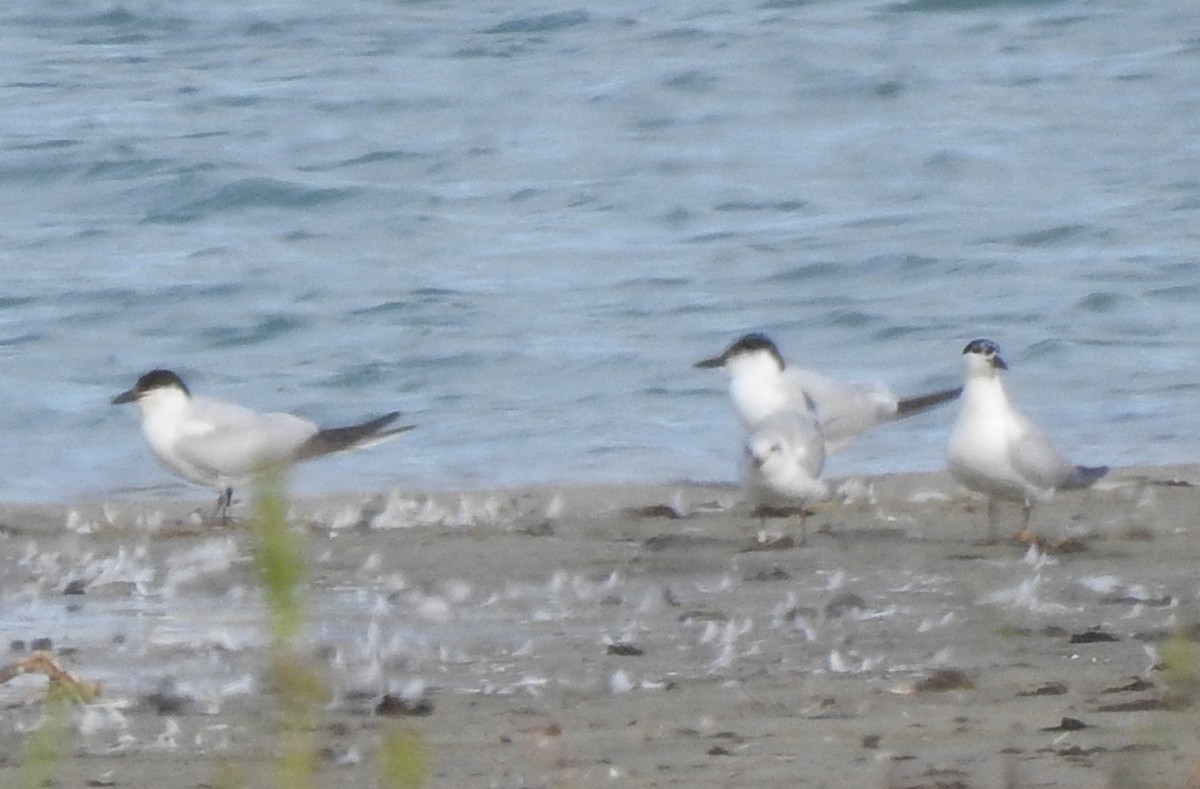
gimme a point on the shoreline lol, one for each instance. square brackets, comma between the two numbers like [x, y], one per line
[191, 497]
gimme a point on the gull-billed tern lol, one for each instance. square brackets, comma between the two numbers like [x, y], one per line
[762, 384]
[219, 445]
[997, 451]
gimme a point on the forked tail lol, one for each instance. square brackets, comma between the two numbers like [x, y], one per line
[915, 405]
[1084, 476]
[367, 434]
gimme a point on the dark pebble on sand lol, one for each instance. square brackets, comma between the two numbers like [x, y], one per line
[1141, 705]
[773, 574]
[663, 542]
[396, 706]
[41, 645]
[656, 511]
[166, 699]
[540, 529]
[1049, 689]
[1093, 635]
[841, 603]
[75, 587]
[771, 543]
[943, 680]
[1067, 724]
[1137, 685]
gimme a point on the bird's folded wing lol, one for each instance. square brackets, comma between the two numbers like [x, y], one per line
[231, 441]
[846, 410]
[1036, 459]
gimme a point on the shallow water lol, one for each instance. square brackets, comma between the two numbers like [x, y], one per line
[522, 224]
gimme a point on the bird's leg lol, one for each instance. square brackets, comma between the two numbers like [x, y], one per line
[764, 511]
[1025, 534]
[224, 502]
[993, 519]
[803, 527]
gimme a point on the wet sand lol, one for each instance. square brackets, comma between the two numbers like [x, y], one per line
[631, 636]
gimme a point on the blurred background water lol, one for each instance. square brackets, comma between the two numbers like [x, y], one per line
[521, 223]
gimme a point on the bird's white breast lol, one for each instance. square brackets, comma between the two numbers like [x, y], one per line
[165, 422]
[757, 394]
[978, 453]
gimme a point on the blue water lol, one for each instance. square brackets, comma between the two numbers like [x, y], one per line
[520, 223]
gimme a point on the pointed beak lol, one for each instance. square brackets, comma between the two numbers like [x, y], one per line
[705, 364]
[128, 396]
[752, 458]
[998, 363]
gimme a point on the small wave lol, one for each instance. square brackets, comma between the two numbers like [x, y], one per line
[1050, 235]
[250, 193]
[16, 341]
[1044, 348]
[686, 34]
[115, 297]
[694, 81]
[266, 329]
[1177, 294]
[507, 52]
[637, 283]
[39, 170]
[546, 23]
[359, 375]
[924, 6]
[808, 271]
[375, 157]
[8, 302]
[125, 169]
[42, 145]
[782, 206]
[1102, 301]
[852, 318]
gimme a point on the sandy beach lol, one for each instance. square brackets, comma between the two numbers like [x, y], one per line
[634, 636]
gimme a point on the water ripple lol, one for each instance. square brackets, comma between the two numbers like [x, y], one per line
[265, 329]
[546, 23]
[251, 193]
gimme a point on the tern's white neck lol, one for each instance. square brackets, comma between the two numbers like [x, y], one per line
[984, 390]
[756, 386]
[166, 404]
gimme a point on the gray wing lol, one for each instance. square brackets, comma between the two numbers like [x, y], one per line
[1036, 459]
[229, 440]
[846, 410]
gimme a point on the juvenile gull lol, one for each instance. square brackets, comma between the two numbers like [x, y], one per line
[784, 456]
[219, 445]
[997, 451]
[762, 384]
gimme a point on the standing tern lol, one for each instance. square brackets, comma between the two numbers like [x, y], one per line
[784, 457]
[219, 445]
[762, 384]
[997, 451]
